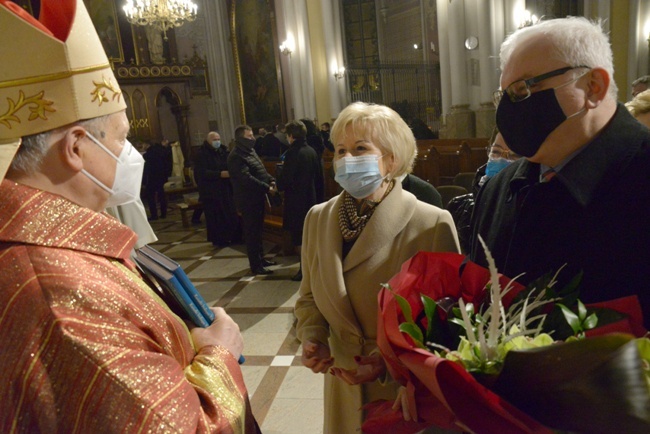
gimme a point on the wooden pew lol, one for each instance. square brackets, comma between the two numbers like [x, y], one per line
[440, 160]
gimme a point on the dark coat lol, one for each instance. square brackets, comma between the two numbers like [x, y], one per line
[316, 143]
[249, 178]
[422, 190]
[297, 178]
[208, 165]
[157, 165]
[594, 215]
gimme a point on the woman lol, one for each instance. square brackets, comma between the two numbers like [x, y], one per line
[639, 107]
[353, 243]
[461, 207]
[297, 178]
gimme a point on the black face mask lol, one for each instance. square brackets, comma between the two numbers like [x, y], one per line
[246, 143]
[526, 124]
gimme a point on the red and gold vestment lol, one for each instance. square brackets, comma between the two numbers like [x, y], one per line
[85, 344]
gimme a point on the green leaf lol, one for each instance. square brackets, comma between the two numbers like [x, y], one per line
[414, 332]
[405, 306]
[582, 311]
[571, 318]
[590, 322]
[430, 308]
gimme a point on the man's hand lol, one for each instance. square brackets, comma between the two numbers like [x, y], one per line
[225, 174]
[370, 368]
[273, 189]
[316, 356]
[223, 331]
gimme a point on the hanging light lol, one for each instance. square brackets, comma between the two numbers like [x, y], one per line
[160, 14]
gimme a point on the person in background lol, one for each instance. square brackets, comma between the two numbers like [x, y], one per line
[325, 134]
[639, 107]
[297, 179]
[280, 134]
[579, 199]
[271, 147]
[421, 189]
[421, 130]
[461, 207]
[351, 245]
[215, 192]
[157, 170]
[315, 141]
[640, 85]
[251, 184]
[87, 345]
[259, 140]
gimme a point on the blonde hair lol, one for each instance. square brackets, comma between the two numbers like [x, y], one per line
[382, 126]
[640, 104]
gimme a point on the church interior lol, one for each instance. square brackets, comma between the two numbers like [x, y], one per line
[265, 62]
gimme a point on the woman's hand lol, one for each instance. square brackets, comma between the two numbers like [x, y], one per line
[223, 331]
[370, 368]
[316, 356]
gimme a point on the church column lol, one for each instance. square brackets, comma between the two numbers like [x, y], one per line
[301, 76]
[337, 88]
[488, 65]
[460, 120]
[223, 83]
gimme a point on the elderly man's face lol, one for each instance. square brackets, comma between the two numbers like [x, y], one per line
[531, 59]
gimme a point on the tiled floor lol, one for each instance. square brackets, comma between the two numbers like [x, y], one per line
[286, 397]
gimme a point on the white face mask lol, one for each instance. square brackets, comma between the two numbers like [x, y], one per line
[128, 174]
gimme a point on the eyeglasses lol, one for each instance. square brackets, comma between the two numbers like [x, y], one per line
[520, 89]
[496, 151]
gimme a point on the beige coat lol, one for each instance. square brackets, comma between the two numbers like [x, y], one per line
[338, 299]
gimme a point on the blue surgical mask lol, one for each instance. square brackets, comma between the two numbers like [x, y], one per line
[216, 144]
[359, 176]
[495, 166]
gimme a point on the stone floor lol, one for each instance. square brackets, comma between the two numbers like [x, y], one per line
[286, 397]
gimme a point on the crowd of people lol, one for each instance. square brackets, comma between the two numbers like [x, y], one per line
[88, 344]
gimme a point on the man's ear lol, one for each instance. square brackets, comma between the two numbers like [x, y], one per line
[599, 81]
[71, 150]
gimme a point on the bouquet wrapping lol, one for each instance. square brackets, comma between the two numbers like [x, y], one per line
[596, 384]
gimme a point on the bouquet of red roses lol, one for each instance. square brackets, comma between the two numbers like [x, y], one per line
[470, 347]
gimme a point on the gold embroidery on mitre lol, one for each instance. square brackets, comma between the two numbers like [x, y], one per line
[99, 94]
[37, 106]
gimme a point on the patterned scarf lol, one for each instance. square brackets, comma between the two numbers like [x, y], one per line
[352, 218]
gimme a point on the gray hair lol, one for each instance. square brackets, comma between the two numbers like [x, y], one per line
[645, 79]
[576, 41]
[32, 150]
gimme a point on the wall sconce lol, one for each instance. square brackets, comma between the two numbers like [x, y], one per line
[339, 73]
[286, 48]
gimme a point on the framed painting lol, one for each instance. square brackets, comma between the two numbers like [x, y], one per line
[254, 41]
[104, 16]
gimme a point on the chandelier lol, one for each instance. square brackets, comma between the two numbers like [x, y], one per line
[160, 14]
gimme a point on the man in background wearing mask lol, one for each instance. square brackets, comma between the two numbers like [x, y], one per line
[215, 192]
[581, 195]
[251, 183]
[86, 345]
